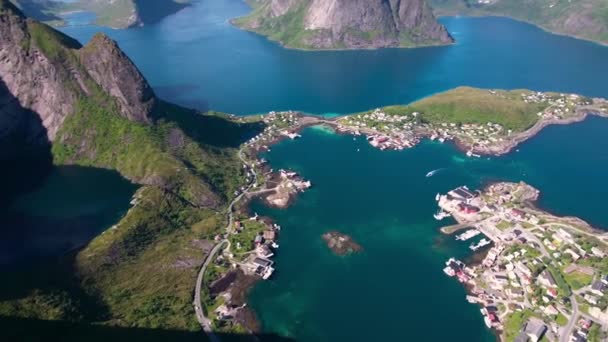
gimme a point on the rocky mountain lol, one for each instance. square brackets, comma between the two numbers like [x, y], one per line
[346, 24]
[89, 106]
[95, 108]
[586, 19]
[49, 78]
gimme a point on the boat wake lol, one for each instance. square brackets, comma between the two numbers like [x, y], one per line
[432, 173]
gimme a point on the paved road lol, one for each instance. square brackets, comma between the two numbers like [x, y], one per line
[567, 331]
[200, 315]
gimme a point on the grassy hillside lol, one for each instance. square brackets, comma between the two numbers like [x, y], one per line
[587, 19]
[286, 29]
[140, 273]
[470, 105]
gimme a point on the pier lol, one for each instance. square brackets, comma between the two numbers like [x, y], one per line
[451, 229]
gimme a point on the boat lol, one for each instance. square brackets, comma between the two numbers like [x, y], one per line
[432, 173]
[440, 215]
[468, 234]
[483, 242]
[268, 273]
[274, 245]
[437, 197]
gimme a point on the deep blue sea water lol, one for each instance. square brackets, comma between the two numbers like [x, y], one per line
[394, 290]
[197, 58]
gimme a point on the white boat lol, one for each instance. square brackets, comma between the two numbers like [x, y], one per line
[268, 273]
[440, 215]
[431, 173]
[468, 234]
[483, 242]
[437, 197]
[274, 245]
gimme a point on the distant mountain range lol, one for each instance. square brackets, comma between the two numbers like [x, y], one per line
[112, 13]
[586, 19]
[345, 24]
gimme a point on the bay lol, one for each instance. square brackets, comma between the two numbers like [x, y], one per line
[197, 58]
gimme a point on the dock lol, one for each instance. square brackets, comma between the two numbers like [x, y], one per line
[451, 229]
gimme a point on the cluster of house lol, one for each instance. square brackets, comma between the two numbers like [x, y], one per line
[259, 262]
[514, 279]
[277, 124]
[582, 330]
[559, 106]
[462, 203]
[398, 141]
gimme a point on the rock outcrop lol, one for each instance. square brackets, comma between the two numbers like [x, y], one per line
[346, 24]
[47, 71]
[109, 67]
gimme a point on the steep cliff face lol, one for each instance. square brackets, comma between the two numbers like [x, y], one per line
[47, 71]
[347, 24]
[93, 107]
[117, 75]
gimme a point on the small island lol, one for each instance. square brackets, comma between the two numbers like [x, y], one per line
[340, 243]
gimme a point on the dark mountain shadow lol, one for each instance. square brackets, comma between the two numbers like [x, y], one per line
[212, 130]
[25, 150]
[153, 11]
[33, 330]
[55, 279]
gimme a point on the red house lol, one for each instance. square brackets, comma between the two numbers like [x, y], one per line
[467, 208]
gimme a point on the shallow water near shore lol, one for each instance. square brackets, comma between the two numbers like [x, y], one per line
[395, 289]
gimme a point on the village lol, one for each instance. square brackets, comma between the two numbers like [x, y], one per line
[250, 241]
[388, 130]
[543, 277]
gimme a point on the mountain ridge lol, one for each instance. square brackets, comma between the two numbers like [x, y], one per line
[341, 24]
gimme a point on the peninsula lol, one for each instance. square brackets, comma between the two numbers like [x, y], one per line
[345, 24]
[117, 14]
[544, 274]
[584, 19]
[480, 122]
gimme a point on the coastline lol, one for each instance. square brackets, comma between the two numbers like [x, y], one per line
[498, 15]
[306, 120]
[505, 213]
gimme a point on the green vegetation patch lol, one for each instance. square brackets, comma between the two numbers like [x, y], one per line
[577, 280]
[466, 105]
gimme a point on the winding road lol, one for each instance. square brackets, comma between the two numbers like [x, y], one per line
[567, 331]
[204, 321]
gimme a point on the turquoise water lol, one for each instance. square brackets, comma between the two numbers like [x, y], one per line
[395, 289]
[197, 58]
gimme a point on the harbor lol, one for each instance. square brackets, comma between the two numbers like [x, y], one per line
[528, 271]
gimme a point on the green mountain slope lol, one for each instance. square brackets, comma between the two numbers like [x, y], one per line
[97, 110]
[586, 19]
[345, 24]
